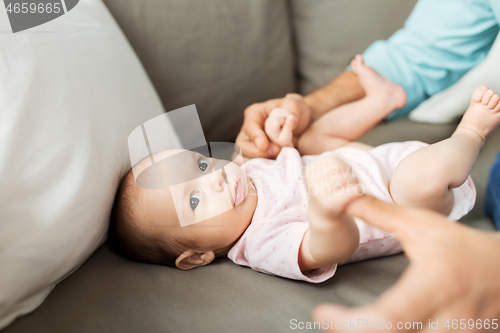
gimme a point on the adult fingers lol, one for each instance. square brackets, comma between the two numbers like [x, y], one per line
[291, 103]
[460, 315]
[363, 319]
[415, 297]
[295, 104]
[381, 214]
[253, 125]
[404, 222]
[248, 147]
[257, 135]
[406, 302]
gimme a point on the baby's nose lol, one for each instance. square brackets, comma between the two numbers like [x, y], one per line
[217, 180]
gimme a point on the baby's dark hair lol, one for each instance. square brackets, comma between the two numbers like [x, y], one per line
[132, 233]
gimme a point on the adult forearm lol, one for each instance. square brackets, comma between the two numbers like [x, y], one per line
[343, 89]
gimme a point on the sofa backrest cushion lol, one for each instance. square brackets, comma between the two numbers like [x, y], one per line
[221, 55]
[329, 33]
[71, 91]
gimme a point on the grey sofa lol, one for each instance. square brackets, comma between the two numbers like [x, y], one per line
[223, 55]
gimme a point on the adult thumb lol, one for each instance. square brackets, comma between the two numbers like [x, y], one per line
[335, 318]
[291, 102]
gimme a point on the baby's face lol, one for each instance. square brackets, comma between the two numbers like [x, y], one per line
[203, 187]
[211, 201]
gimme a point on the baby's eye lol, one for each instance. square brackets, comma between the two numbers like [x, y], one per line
[203, 165]
[194, 200]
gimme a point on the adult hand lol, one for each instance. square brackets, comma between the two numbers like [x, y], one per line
[252, 139]
[452, 279]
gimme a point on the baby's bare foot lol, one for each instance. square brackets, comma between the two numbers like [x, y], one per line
[376, 86]
[482, 116]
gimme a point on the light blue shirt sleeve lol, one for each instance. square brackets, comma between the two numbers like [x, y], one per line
[440, 42]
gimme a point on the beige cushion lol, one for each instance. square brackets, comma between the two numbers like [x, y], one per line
[70, 92]
[329, 33]
[451, 103]
[221, 55]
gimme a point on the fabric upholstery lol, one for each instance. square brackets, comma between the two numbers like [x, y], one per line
[221, 55]
[330, 33]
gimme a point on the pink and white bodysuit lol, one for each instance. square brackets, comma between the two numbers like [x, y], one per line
[272, 240]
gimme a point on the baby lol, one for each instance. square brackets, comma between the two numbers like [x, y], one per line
[286, 216]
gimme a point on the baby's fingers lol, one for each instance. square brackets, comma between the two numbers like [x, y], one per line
[273, 128]
[286, 135]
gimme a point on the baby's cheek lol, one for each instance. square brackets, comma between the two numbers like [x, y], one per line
[217, 206]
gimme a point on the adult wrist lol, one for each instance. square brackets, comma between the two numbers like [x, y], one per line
[314, 103]
[343, 89]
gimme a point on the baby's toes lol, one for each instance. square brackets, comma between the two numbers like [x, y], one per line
[487, 96]
[354, 66]
[357, 63]
[497, 108]
[478, 94]
[359, 59]
[493, 101]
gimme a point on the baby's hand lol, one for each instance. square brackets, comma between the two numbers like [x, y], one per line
[279, 127]
[331, 185]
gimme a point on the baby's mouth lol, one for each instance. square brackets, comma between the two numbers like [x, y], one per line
[238, 192]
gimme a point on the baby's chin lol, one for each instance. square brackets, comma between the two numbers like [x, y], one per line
[235, 223]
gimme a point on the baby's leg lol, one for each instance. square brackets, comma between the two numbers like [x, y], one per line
[350, 121]
[425, 177]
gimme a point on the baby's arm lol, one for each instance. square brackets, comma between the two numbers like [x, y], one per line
[332, 236]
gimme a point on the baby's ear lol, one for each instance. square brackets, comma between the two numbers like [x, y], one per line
[191, 259]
